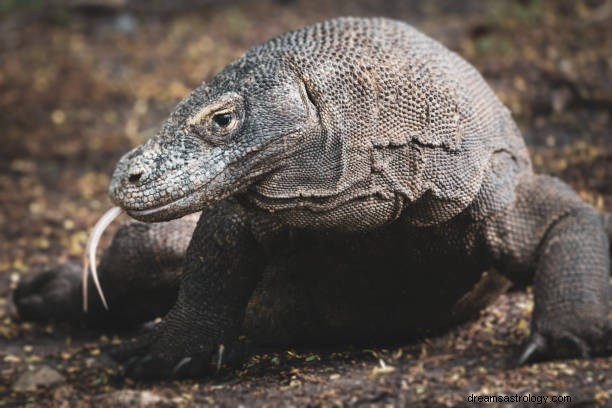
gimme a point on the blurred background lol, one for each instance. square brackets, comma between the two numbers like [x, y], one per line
[83, 81]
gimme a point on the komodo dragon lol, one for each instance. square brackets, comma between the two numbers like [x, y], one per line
[357, 182]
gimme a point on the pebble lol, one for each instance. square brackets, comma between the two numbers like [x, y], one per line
[43, 376]
[130, 398]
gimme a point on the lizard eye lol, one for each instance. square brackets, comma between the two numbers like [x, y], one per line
[223, 120]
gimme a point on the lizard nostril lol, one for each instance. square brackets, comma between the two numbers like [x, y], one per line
[135, 177]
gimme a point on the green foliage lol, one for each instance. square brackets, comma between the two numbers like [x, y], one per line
[504, 12]
[491, 44]
[8, 7]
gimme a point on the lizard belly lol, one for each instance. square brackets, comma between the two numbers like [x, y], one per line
[329, 287]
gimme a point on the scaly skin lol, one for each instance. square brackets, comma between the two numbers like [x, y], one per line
[357, 182]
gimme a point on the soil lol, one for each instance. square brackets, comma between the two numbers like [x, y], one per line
[83, 81]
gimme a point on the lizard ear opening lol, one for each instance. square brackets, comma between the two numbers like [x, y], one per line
[308, 98]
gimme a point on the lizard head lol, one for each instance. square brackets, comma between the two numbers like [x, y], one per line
[219, 141]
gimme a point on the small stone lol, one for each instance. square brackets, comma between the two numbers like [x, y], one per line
[130, 398]
[44, 376]
[58, 117]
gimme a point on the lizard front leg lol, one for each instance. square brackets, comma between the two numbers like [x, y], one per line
[224, 261]
[556, 240]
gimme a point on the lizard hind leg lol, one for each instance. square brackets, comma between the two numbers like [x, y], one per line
[552, 238]
[607, 221]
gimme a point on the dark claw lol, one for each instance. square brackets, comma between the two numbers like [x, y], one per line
[146, 360]
[572, 346]
[533, 350]
[179, 368]
[564, 345]
[146, 367]
[127, 367]
[192, 366]
[219, 357]
[128, 351]
[232, 356]
[607, 346]
[142, 361]
[153, 367]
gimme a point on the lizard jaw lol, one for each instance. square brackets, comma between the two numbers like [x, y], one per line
[175, 209]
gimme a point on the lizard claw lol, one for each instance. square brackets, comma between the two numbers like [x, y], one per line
[141, 367]
[176, 371]
[192, 366]
[533, 350]
[152, 365]
[564, 345]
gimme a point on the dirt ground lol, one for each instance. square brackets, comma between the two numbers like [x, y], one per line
[82, 81]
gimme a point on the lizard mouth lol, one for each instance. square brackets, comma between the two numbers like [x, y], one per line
[173, 209]
[152, 210]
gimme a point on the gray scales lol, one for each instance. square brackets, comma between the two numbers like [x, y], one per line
[357, 182]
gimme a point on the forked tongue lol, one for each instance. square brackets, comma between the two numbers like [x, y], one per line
[89, 258]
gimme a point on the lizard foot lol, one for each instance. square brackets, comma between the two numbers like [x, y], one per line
[150, 366]
[51, 294]
[156, 366]
[560, 344]
[145, 359]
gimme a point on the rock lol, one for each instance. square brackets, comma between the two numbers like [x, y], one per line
[44, 376]
[126, 23]
[64, 396]
[131, 398]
